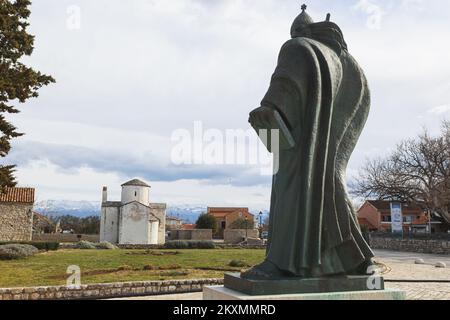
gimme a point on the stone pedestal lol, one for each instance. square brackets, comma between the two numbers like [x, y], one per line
[222, 293]
[292, 285]
[327, 288]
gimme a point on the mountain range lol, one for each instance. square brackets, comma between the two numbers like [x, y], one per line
[57, 208]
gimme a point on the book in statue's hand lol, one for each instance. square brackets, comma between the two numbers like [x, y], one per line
[269, 119]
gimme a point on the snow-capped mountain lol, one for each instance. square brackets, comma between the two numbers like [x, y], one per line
[56, 208]
[187, 213]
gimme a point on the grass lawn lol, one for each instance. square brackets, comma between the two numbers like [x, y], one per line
[102, 266]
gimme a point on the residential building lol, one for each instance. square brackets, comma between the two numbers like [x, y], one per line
[376, 216]
[42, 224]
[173, 223]
[226, 216]
[188, 226]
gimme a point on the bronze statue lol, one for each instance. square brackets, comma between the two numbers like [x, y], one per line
[320, 100]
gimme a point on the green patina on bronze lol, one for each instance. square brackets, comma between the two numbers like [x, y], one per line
[321, 95]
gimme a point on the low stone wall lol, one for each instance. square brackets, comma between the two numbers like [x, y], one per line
[237, 235]
[60, 237]
[108, 290]
[411, 245]
[196, 234]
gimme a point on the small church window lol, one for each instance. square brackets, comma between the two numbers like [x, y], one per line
[135, 193]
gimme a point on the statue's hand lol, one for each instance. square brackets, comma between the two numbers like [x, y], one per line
[267, 118]
[262, 118]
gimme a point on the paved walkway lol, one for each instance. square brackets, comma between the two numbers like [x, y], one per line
[399, 266]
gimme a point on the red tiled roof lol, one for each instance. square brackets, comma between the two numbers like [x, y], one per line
[188, 227]
[40, 217]
[223, 212]
[17, 195]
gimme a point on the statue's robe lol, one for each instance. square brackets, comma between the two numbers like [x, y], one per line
[323, 96]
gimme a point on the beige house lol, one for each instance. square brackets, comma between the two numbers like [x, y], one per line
[16, 215]
[173, 223]
[226, 216]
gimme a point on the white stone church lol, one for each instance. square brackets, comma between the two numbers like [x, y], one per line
[133, 220]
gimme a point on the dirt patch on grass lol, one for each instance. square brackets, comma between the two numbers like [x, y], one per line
[124, 268]
[86, 273]
[171, 267]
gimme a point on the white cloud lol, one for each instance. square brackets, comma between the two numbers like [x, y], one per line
[137, 70]
[374, 13]
[440, 110]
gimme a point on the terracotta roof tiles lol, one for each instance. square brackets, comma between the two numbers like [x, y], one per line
[17, 195]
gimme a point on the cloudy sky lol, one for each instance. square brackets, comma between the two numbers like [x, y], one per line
[130, 73]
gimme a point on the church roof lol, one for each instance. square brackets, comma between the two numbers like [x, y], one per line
[136, 182]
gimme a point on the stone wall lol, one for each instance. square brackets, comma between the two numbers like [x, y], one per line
[411, 245]
[109, 224]
[159, 210]
[237, 235]
[197, 234]
[16, 222]
[108, 290]
[59, 237]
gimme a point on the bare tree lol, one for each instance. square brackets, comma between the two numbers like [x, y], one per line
[418, 172]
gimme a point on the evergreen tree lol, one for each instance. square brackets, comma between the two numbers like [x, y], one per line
[241, 223]
[205, 221]
[18, 83]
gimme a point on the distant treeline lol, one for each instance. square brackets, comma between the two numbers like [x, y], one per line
[87, 225]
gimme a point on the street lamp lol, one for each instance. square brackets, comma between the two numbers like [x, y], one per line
[260, 224]
[246, 228]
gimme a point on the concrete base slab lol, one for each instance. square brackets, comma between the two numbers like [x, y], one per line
[291, 285]
[217, 293]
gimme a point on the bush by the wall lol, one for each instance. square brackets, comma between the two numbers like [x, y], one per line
[105, 246]
[16, 251]
[177, 244]
[47, 246]
[85, 245]
[202, 245]
[92, 246]
[183, 244]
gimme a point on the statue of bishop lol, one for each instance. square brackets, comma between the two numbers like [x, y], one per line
[319, 100]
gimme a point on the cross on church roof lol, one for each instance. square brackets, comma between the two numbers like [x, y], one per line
[304, 6]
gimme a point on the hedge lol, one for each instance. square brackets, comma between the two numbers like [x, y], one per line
[184, 244]
[45, 246]
[16, 251]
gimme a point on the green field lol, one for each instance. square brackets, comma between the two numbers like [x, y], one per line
[103, 266]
